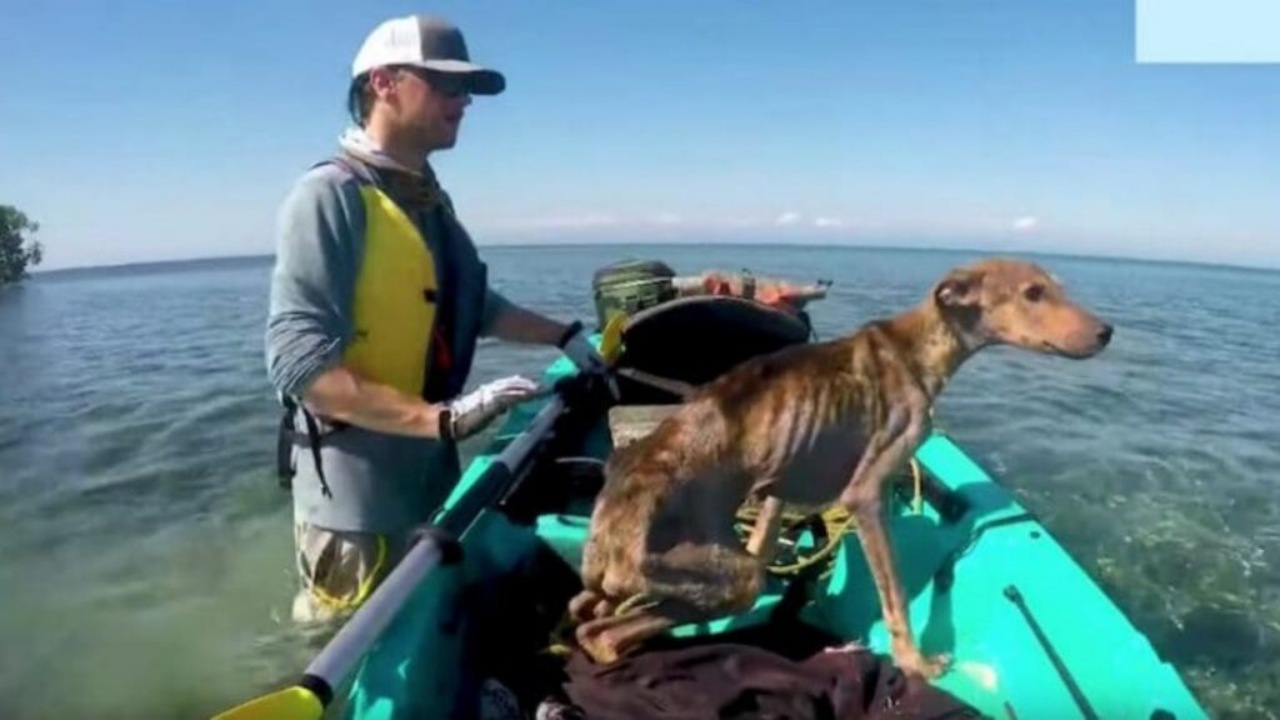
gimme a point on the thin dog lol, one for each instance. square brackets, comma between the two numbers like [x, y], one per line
[803, 427]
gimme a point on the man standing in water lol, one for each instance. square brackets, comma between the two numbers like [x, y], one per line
[378, 297]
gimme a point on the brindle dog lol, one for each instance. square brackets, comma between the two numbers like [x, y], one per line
[803, 427]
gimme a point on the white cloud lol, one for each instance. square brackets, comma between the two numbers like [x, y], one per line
[673, 221]
[1025, 223]
[736, 222]
[584, 220]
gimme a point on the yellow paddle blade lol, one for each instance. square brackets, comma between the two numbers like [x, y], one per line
[611, 339]
[294, 703]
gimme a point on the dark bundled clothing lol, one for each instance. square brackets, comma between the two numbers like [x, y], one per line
[782, 669]
[729, 681]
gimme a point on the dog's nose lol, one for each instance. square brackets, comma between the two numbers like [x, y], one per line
[1104, 335]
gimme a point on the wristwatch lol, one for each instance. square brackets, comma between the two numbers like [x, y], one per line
[445, 420]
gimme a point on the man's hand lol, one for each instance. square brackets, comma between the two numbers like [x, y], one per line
[473, 412]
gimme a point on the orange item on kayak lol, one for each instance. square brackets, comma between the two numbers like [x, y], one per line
[779, 294]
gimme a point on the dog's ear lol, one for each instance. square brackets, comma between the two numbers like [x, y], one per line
[960, 288]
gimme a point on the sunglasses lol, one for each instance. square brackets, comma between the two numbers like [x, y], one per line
[449, 85]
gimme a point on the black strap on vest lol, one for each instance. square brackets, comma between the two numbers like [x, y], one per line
[289, 436]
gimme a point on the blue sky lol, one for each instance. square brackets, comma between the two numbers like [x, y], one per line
[142, 131]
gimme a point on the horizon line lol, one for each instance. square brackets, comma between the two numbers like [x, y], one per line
[529, 245]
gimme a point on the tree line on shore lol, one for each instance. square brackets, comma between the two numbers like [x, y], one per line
[19, 250]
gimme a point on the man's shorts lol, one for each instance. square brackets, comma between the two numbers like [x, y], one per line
[339, 570]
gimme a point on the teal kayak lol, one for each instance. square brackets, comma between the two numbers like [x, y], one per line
[1030, 633]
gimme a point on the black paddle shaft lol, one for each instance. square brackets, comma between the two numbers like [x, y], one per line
[1015, 596]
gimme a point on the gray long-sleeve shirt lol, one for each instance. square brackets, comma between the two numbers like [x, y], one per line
[380, 483]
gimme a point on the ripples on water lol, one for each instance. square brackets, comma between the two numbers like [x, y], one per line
[147, 550]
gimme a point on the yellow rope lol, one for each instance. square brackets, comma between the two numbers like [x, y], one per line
[917, 483]
[562, 641]
[838, 523]
[836, 520]
[365, 587]
[636, 603]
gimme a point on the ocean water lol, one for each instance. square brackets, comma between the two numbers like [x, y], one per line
[145, 550]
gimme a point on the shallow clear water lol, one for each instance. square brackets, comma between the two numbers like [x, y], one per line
[146, 548]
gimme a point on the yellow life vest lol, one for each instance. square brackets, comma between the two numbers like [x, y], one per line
[395, 298]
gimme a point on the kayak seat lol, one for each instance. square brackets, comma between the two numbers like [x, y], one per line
[693, 340]
[628, 423]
